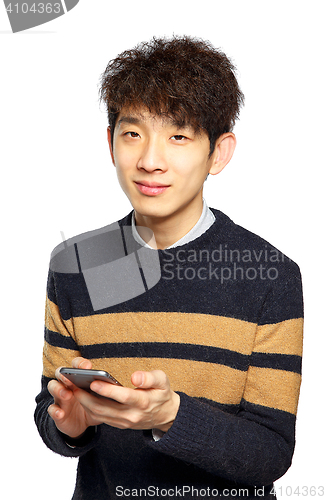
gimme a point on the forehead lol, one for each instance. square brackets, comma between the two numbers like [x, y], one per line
[141, 116]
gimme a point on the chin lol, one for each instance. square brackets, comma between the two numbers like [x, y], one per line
[151, 208]
[154, 213]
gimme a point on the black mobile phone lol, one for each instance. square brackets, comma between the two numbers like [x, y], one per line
[83, 378]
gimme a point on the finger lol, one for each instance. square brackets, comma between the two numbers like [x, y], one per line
[59, 376]
[54, 387]
[80, 362]
[155, 379]
[116, 394]
[104, 389]
[56, 413]
[59, 391]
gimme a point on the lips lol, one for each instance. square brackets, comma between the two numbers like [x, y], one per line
[151, 188]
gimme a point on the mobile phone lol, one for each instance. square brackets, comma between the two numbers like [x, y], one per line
[83, 378]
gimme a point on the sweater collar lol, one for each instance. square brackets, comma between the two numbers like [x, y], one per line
[205, 221]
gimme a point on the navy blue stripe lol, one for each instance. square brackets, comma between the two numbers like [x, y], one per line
[191, 352]
[206, 354]
[57, 340]
[285, 362]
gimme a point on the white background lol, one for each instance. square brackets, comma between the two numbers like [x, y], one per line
[56, 175]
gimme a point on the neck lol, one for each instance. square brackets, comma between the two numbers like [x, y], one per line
[167, 230]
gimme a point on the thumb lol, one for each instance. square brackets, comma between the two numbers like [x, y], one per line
[155, 379]
[83, 363]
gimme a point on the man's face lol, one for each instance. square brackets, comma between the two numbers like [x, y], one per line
[160, 167]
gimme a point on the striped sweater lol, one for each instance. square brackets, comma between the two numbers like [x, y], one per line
[222, 316]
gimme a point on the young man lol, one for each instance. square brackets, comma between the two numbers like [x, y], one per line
[199, 319]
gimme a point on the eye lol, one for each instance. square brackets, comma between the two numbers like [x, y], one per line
[178, 137]
[132, 134]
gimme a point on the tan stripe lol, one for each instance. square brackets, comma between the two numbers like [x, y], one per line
[54, 321]
[283, 338]
[204, 329]
[273, 388]
[263, 386]
[54, 357]
[197, 379]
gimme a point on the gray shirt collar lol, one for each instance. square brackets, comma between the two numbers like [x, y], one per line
[205, 221]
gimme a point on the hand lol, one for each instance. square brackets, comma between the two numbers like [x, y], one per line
[151, 405]
[68, 414]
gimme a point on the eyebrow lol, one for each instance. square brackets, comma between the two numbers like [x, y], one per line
[136, 120]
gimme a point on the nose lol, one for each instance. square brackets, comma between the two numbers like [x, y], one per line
[152, 156]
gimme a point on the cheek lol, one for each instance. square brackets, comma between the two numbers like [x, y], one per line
[123, 182]
[127, 161]
[121, 174]
[123, 164]
[193, 169]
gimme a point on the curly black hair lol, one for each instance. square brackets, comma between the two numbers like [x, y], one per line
[183, 78]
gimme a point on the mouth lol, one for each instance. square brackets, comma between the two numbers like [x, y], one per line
[151, 188]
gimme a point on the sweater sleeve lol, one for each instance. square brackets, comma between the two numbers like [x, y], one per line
[255, 444]
[49, 433]
[57, 332]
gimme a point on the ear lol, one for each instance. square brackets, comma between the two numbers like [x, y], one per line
[223, 152]
[110, 144]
